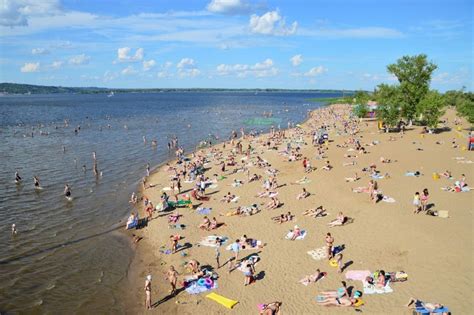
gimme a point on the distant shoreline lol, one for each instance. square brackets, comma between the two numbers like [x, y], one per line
[22, 89]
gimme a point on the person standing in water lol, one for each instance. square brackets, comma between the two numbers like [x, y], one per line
[148, 292]
[67, 191]
[17, 178]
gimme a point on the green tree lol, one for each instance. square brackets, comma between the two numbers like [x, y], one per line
[431, 108]
[361, 97]
[361, 110]
[414, 75]
[390, 100]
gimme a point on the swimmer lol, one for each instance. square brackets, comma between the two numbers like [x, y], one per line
[17, 178]
[36, 182]
[14, 231]
[67, 192]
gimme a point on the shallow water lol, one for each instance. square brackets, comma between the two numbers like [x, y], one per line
[69, 256]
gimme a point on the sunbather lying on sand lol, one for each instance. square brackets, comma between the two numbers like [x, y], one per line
[303, 194]
[328, 166]
[340, 220]
[228, 198]
[431, 307]
[283, 218]
[272, 308]
[352, 179]
[315, 213]
[312, 278]
[273, 203]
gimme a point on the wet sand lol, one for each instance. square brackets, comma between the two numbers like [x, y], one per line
[436, 253]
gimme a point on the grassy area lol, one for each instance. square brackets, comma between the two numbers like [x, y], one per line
[330, 100]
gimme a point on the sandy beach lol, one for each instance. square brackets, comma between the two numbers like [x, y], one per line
[435, 252]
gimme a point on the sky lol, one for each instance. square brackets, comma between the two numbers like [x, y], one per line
[294, 44]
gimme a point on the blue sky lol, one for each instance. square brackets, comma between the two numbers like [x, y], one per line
[298, 44]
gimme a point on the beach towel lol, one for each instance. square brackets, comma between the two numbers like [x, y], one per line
[213, 186]
[195, 288]
[299, 238]
[210, 241]
[358, 275]
[319, 253]
[377, 176]
[372, 289]
[203, 211]
[388, 199]
[423, 311]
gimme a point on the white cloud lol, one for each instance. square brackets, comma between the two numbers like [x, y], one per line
[109, 76]
[315, 71]
[30, 67]
[228, 6]
[167, 65]
[163, 74]
[81, 59]
[296, 60]
[57, 64]
[148, 64]
[39, 51]
[123, 55]
[17, 12]
[271, 23]
[260, 69]
[129, 71]
[187, 68]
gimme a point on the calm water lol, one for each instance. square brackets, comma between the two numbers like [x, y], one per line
[70, 256]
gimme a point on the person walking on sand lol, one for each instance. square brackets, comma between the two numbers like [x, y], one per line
[329, 244]
[235, 248]
[148, 292]
[217, 252]
[172, 277]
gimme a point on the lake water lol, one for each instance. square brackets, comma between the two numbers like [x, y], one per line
[71, 256]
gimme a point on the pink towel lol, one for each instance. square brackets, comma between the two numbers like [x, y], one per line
[357, 274]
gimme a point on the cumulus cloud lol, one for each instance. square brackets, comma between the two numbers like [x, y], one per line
[148, 64]
[17, 12]
[296, 60]
[228, 7]
[315, 71]
[109, 76]
[81, 59]
[187, 68]
[123, 55]
[129, 71]
[39, 51]
[30, 67]
[271, 23]
[57, 64]
[260, 69]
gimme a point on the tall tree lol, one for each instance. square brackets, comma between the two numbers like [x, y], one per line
[431, 108]
[390, 99]
[414, 75]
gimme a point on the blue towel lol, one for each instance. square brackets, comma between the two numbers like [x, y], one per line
[424, 311]
[204, 211]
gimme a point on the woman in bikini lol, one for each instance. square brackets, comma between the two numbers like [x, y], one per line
[318, 212]
[340, 220]
[148, 292]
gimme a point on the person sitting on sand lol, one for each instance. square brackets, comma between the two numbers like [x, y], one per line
[431, 307]
[206, 223]
[312, 278]
[381, 282]
[131, 221]
[228, 198]
[318, 212]
[304, 194]
[340, 220]
[295, 233]
[193, 265]
[272, 308]
[214, 224]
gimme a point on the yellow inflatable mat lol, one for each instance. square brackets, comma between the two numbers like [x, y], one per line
[222, 300]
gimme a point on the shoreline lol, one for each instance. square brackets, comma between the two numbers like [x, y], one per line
[145, 261]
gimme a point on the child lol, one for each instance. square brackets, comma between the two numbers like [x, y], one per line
[424, 199]
[416, 203]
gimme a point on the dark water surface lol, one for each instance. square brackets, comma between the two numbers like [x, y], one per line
[69, 256]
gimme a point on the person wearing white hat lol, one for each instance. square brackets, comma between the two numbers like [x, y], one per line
[148, 292]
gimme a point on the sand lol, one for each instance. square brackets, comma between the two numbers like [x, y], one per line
[436, 253]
